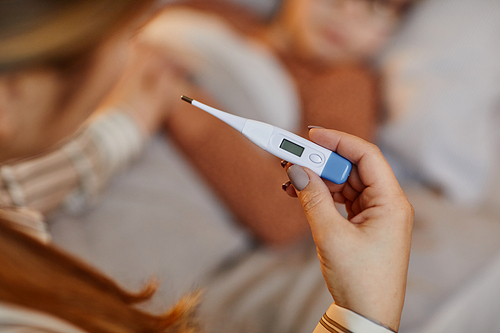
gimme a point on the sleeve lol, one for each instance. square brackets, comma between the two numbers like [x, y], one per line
[340, 320]
[222, 60]
[73, 175]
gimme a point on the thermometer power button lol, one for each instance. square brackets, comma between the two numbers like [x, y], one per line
[315, 158]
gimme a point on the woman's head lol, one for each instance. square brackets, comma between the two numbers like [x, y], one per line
[57, 60]
[333, 31]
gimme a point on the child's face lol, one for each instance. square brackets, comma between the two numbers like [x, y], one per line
[340, 30]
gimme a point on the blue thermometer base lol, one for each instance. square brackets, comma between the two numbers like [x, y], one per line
[337, 169]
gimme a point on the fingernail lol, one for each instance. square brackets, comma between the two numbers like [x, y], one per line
[298, 177]
[283, 163]
[286, 185]
[312, 126]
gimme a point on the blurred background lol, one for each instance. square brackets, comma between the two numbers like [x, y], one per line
[425, 88]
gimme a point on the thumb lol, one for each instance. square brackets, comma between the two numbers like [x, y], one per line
[317, 202]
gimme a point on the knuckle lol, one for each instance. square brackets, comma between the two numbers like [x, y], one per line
[311, 200]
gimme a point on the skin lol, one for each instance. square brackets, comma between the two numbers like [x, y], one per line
[141, 90]
[32, 121]
[229, 162]
[331, 31]
[143, 76]
[364, 258]
[126, 72]
[246, 178]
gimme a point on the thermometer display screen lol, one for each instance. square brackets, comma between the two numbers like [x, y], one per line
[292, 147]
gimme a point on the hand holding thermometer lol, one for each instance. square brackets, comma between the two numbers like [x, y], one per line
[285, 145]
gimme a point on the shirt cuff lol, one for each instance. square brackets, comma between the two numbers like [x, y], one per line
[74, 174]
[113, 141]
[341, 320]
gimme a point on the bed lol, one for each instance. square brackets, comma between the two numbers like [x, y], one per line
[441, 80]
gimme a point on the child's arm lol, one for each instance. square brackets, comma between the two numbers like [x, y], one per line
[245, 177]
[249, 179]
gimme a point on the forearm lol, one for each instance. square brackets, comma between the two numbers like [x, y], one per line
[76, 172]
[346, 99]
[246, 178]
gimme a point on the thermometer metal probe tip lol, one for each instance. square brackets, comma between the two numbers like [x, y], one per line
[232, 120]
[187, 99]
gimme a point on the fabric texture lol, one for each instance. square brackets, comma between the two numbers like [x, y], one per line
[443, 98]
[160, 206]
[78, 171]
[242, 76]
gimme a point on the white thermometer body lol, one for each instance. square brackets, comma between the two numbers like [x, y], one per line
[285, 145]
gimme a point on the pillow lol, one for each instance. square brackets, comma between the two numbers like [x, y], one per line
[442, 90]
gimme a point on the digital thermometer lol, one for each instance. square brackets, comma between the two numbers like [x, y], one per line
[285, 145]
